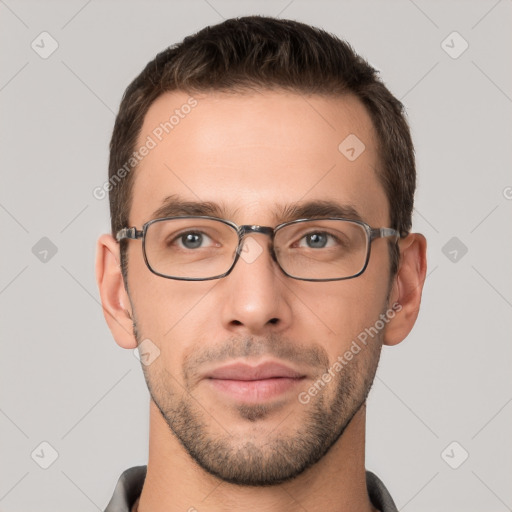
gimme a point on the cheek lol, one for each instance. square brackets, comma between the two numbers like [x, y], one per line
[342, 310]
[160, 304]
[170, 313]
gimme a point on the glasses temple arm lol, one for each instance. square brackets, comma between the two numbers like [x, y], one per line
[384, 233]
[131, 233]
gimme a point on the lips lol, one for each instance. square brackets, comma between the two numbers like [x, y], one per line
[254, 384]
[239, 371]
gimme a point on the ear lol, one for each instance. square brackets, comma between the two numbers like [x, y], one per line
[114, 298]
[407, 288]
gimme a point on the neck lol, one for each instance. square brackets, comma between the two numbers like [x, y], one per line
[174, 482]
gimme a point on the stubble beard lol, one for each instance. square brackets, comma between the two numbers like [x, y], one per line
[276, 457]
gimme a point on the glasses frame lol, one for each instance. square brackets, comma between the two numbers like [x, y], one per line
[372, 234]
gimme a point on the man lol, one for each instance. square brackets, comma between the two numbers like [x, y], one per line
[261, 190]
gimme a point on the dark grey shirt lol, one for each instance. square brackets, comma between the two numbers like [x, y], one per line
[130, 483]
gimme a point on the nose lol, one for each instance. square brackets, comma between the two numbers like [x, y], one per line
[255, 296]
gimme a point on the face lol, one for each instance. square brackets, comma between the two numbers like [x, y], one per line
[253, 376]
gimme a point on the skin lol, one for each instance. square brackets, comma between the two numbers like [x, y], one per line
[252, 152]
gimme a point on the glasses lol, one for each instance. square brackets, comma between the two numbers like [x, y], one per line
[201, 248]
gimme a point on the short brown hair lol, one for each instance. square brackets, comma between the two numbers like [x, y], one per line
[263, 53]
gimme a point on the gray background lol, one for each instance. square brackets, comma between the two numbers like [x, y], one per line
[65, 381]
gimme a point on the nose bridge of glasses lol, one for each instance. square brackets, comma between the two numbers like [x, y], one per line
[248, 229]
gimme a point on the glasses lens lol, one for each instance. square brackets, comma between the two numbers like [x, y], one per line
[192, 248]
[322, 249]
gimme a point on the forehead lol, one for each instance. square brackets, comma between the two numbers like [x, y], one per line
[257, 153]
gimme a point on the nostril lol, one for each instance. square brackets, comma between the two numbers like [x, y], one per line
[274, 320]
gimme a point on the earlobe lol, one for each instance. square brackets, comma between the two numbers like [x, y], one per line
[114, 298]
[407, 288]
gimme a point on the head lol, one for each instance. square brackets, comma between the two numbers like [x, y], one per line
[247, 121]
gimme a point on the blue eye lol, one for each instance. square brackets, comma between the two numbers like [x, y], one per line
[191, 240]
[317, 240]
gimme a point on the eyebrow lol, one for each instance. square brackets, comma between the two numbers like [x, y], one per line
[174, 206]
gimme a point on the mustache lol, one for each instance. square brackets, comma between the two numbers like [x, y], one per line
[273, 345]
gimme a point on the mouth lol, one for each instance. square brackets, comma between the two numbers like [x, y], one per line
[254, 384]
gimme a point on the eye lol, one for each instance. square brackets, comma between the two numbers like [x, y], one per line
[192, 239]
[317, 240]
